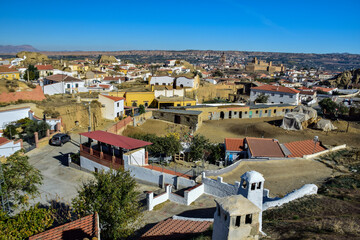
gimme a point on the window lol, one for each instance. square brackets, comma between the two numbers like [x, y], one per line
[244, 185]
[118, 104]
[178, 105]
[237, 222]
[265, 111]
[281, 95]
[245, 112]
[253, 186]
[68, 85]
[281, 102]
[291, 96]
[188, 119]
[118, 114]
[257, 111]
[259, 185]
[161, 114]
[274, 110]
[146, 104]
[188, 104]
[96, 169]
[76, 85]
[272, 94]
[164, 84]
[248, 219]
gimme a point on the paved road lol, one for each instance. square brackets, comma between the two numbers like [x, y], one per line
[60, 182]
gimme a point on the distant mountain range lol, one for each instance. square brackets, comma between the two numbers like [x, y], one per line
[16, 49]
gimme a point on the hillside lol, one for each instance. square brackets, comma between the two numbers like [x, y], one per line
[346, 79]
[18, 48]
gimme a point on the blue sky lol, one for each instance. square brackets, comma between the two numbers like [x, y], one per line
[288, 26]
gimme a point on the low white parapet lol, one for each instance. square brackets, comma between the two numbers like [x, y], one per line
[307, 189]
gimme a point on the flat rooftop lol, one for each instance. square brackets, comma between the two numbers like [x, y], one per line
[187, 112]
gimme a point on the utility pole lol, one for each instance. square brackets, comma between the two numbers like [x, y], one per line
[89, 128]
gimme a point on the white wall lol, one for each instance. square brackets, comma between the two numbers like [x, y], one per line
[51, 89]
[276, 98]
[12, 115]
[91, 165]
[185, 82]
[169, 93]
[63, 87]
[161, 80]
[9, 148]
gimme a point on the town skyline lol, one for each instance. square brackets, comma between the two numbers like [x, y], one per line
[312, 27]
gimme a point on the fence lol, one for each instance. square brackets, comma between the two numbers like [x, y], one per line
[118, 127]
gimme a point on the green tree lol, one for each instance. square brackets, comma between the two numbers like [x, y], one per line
[328, 106]
[171, 145]
[33, 73]
[112, 194]
[10, 131]
[262, 98]
[26, 223]
[21, 179]
[218, 73]
[199, 144]
[216, 152]
[342, 109]
[41, 127]
[141, 109]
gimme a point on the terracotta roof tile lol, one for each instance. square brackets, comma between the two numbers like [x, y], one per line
[264, 147]
[86, 227]
[44, 67]
[115, 99]
[4, 69]
[175, 229]
[234, 144]
[301, 148]
[276, 89]
[3, 140]
[62, 78]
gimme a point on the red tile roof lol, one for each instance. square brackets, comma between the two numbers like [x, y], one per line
[264, 147]
[4, 69]
[115, 99]
[3, 140]
[44, 67]
[86, 227]
[62, 78]
[276, 89]
[112, 78]
[116, 140]
[323, 89]
[234, 144]
[301, 148]
[175, 229]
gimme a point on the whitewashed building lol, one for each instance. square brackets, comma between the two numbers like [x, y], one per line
[60, 84]
[112, 106]
[165, 80]
[276, 94]
[9, 147]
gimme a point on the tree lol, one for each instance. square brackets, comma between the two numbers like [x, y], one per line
[198, 146]
[262, 98]
[328, 106]
[141, 109]
[171, 144]
[218, 73]
[112, 194]
[33, 73]
[10, 131]
[41, 127]
[216, 152]
[21, 179]
[26, 223]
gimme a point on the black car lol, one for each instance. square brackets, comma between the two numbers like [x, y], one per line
[59, 139]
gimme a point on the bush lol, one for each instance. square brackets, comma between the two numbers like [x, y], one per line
[11, 90]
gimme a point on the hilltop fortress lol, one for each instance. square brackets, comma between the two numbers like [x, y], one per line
[260, 65]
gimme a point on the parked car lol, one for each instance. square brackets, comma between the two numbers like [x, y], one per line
[60, 139]
[159, 158]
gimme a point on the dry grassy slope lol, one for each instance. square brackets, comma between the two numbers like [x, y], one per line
[22, 86]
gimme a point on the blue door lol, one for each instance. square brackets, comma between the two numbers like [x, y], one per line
[250, 114]
[260, 113]
[269, 114]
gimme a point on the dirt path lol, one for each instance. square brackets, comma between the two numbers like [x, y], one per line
[283, 176]
[216, 131]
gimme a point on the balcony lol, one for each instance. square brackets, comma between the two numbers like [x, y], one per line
[102, 156]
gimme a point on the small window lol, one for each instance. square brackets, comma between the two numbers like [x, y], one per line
[272, 94]
[265, 111]
[291, 96]
[235, 113]
[178, 105]
[281, 95]
[244, 185]
[96, 169]
[237, 222]
[188, 104]
[274, 110]
[257, 111]
[146, 104]
[118, 104]
[248, 219]
[68, 85]
[161, 114]
[76, 85]
[245, 112]
[259, 185]
[188, 119]
[253, 186]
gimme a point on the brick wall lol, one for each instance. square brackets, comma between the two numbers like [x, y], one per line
[119, 126]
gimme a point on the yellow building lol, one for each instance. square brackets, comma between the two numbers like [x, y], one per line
[122, 70]
[135, 99]
[163, 102]
[9, 73]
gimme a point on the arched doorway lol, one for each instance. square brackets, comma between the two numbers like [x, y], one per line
[222, 115]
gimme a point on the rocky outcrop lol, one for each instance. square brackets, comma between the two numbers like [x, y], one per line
[347, 79]
[32, 57]
[107, 59]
